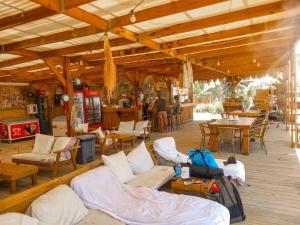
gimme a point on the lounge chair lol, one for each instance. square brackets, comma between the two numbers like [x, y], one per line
[50, 152]
[100, 189]
[104, 140]
[166, 152]
[138, 129]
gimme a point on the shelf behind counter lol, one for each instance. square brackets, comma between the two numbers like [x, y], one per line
[111, 116]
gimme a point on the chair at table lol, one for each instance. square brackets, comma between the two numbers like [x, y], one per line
[205, 132]
[228, 135]
[258, 131]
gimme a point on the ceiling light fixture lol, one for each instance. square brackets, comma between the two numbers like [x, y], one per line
[254, 60]
[218, 63]
[228, 71]
[258, 64]
[132, 14]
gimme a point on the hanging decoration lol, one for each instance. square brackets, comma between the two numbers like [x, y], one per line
[187, 75]
[109, 70]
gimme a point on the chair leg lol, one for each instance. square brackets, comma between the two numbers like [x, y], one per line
[263, 146]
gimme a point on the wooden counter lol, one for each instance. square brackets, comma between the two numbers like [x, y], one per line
[111, 117]
[187, 111]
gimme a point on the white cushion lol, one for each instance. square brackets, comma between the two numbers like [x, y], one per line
[17, 219]
[99, 132]
[154, 178]
[140, 159]
[236, 171]
[43, 144]
[126, 126]
[120, 166]
[59, 206]
[140, 125]
[60, 143]
[83, 127]
[98, 217]
[50, 158]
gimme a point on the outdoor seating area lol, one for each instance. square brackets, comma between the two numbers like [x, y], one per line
[139, 112]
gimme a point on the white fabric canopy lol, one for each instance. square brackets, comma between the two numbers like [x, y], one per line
[100, 189]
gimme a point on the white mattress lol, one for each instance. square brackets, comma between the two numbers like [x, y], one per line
[100, 189]
[97, 217]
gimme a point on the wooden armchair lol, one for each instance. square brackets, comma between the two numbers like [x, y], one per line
[105, 141]
[56, 158]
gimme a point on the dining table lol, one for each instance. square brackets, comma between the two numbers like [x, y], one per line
[243, 123]
[248, 113]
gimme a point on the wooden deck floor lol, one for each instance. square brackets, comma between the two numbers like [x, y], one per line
[271, 194]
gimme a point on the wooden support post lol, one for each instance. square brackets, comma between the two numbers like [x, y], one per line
[69, 91]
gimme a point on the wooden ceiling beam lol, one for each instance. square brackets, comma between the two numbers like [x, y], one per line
[247, 49]
[54, 70]
[52, 38]
[248, 13]
[25, 17]
[234, 33]
[163, 10]
[261, 38]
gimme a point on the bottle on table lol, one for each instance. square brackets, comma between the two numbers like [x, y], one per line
[178, 166]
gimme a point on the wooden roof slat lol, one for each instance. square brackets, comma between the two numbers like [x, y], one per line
[25, 17]
[261, 38]
[248, 13]
[163, 10]
[52, 38]
[235, 32]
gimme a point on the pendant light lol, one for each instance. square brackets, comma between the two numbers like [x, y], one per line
[132, 17]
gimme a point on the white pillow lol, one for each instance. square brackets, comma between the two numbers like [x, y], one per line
[126, 126]
[139, 126]
[140, 159]
[17, 219]
[119, 165]
[59, 206]
[99, 132]
[83, 127]
[60, 143]
[43, 144]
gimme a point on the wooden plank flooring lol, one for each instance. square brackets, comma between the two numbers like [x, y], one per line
[271, 194]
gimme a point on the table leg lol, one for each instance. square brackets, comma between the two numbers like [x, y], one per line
[13, 186]
[34, 179]
[245, 149]
[213, 138]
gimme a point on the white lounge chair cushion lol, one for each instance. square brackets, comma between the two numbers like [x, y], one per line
[63, 143]
[17, 219]
[140, 159]
[43, 144]
[236, 171]
[59, 206]
[140, 125]
[99, 132]
[83, 127]
[98, 217]
[50, 158]
[126, 126]
[153, 178]
[166, 148]
[120, 166]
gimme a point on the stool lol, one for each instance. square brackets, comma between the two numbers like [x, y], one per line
[178, 120]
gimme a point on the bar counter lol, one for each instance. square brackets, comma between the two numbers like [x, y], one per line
[187, 111]
[112, 116]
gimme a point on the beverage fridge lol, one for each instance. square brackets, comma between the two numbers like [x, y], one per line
[88, 104]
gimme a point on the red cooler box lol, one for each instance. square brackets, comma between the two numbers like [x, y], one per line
[18, 129]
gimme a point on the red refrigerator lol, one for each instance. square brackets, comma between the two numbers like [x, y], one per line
[89, 107]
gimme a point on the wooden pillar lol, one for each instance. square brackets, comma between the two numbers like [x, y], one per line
[69, 91]
[293, 99]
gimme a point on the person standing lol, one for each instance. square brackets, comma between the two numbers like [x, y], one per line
[161, 109]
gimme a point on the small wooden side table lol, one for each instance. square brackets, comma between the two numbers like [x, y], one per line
[178, 186]
[11, 172]
[124, 138]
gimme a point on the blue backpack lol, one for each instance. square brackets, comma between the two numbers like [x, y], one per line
[202, 158]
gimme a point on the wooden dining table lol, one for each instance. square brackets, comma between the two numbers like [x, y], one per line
[243, 123]
[251, 113]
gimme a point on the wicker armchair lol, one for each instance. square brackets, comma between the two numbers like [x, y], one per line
[258, 131]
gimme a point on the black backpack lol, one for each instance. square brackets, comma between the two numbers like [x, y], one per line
[229, 197]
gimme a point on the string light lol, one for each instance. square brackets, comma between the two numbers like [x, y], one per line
[228, 71]
[258, 64]
[132, 14]
[218, 63]
[254, 60]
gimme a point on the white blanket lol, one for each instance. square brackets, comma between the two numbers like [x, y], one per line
[100, 189]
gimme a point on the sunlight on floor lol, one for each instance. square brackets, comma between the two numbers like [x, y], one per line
[298, 154]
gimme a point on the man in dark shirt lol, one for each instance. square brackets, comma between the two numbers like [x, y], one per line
[161, 109]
